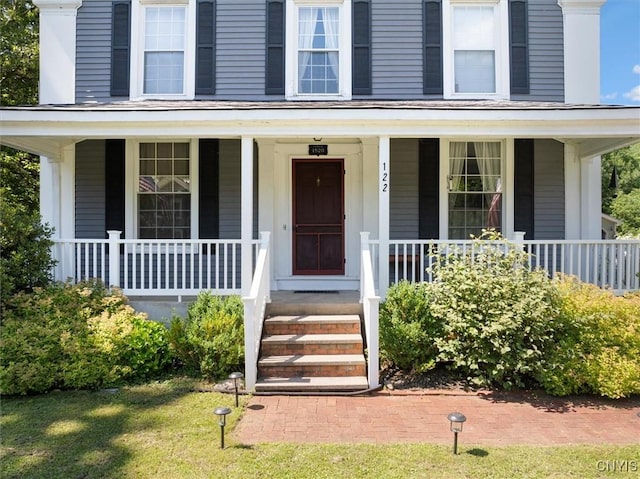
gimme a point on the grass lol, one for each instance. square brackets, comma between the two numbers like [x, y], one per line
[166, 430]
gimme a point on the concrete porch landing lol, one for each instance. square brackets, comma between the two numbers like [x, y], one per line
[309, 302]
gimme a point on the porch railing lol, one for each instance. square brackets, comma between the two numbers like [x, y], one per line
[153, 267]
[255, 304]
[370, 306]
[613, 264]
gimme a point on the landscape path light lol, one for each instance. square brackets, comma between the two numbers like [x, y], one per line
[456, 420]
[235, 376]
[222, 412]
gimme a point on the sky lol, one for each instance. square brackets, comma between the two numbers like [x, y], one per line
[620, 52]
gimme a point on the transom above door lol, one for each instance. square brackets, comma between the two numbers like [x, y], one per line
[318, 217]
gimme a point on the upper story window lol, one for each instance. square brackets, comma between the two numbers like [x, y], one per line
[318, 49]
[163, 56]
[476, 53]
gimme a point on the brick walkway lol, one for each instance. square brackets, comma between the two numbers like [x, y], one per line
[412, 417]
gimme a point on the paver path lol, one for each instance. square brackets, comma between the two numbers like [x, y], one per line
[412, 417]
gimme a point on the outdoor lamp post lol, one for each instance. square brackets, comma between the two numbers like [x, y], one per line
[456, 419]
[235, 376]
[222, 412]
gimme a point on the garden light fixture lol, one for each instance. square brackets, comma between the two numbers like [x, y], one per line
[456, 420]
[235, 376]
[222, 412]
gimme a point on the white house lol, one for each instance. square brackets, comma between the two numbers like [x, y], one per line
[349, 132]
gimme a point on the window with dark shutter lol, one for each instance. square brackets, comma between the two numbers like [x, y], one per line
[120, 47]
[428, 197]
[432, 23]
[114, 184]
[361, 69]
[208, 171]
[275, 48]
[523, 197]
[518, 39]
[206, 47]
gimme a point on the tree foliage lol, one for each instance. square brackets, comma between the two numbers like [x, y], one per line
[625, 196]
[18, 52]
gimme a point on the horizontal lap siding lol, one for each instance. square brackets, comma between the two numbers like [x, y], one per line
[93, 52]
[397, 49]
[230, 171]
[404, 172]
[90, 193]
[240, 45]
[546, 64]
[549, 214]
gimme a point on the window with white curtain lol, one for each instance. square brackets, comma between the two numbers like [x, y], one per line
[475, 188]
[318, 49]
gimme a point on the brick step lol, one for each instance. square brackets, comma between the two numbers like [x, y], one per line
[298, 344]
[302, 383]
[313, 324]
[330, 365]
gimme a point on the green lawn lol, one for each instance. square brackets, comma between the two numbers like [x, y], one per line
[166, 430]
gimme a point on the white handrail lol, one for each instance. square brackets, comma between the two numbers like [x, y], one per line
[370, 307]
[255, 305]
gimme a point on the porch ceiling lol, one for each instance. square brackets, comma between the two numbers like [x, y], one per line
[46, 129]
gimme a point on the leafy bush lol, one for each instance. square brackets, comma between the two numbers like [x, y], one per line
[76, 336]
[599, 349]
[485, 315]
[407, 327]
[210, 340]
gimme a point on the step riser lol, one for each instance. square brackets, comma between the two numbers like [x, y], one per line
[312, 328]
[311, 370]
[299, 349]
[284, 309]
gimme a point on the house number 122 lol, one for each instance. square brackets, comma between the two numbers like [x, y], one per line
[385, 178]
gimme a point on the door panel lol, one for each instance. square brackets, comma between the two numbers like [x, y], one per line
[318, 216]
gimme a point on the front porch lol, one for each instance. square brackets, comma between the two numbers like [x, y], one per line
[154, 268]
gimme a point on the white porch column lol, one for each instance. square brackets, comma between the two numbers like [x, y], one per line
[50, 193]
[581, 20]
[58, 50]
[384, 187]
[572, 192]
[246, 212]
[590, 198]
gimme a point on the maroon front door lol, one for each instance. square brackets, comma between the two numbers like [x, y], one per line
[318, 216]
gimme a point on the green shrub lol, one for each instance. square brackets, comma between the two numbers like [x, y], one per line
[599, 349]
[497, 315]
[407, 327]
[75, 337]
[210, 340]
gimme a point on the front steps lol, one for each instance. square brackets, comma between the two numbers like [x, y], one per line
[312, 352]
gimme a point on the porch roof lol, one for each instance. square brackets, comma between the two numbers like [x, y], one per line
[47, 129]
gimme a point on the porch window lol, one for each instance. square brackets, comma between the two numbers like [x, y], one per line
[475, 35]
[164, 191]
[319, 49]
[475, 188]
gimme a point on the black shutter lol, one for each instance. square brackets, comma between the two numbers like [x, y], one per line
[120, 47]
[428, 197]
[523, 187]
[275, 48]
[361, 70]
[432, 24]
[114, 184]
[206, 48]
[209, 189]
[518, 40]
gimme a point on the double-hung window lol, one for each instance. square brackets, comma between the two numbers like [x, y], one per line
[163, 49]
[476, 39]
[475, 187]
[164, 190]
[319, 49]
